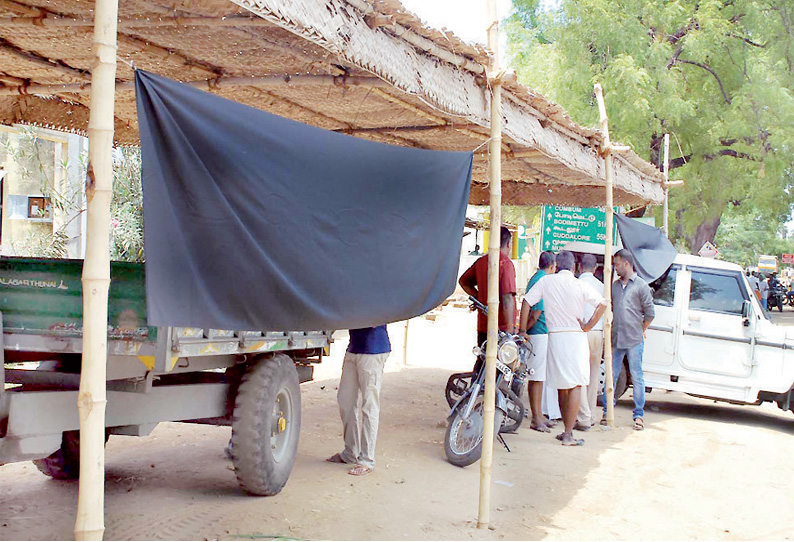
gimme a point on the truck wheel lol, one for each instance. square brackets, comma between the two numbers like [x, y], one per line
[64, 463]
[620, 386]
[266, 425]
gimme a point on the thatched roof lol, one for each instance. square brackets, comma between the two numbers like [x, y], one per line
[367, 68]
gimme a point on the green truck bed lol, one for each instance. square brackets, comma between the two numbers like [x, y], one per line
[45, 297]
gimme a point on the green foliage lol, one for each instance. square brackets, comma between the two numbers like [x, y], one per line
[743, 237]
[716, 75]
[126, 207]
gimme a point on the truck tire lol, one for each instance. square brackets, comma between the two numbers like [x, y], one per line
[64, 463]
[266, 425]
[620, 386]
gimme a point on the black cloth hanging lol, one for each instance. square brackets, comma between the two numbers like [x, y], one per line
[257, 222]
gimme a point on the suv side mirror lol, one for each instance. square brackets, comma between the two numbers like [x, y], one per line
[746, 312]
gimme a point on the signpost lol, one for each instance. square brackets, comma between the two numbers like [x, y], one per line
[787, 258]
[561, 225]
[708, 250]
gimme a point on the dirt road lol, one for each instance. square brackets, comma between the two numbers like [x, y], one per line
[700, 470]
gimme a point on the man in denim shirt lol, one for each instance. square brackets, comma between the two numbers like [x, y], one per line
[359, 397]
[632, 313]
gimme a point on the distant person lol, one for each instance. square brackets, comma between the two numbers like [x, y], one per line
[595, 340]
[474, 282]
[568, 366]
[359, 397]
[752, 280]
[532, 324]
[632, 313]
[763, 287]
[476, 251]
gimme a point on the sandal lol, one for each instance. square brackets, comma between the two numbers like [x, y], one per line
[639, 425]
[604, 420]
[574, 442]
[359, 470]
[336, 458]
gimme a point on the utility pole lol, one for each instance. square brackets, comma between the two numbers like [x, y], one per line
[666, 171]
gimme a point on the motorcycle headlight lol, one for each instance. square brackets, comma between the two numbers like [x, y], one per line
[508, 354]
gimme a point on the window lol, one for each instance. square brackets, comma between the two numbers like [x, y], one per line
[716, 293]
[36, 208]
[664, 288]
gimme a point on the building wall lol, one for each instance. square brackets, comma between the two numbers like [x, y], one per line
[57, 171]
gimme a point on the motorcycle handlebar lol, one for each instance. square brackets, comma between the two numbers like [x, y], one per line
[476, 304]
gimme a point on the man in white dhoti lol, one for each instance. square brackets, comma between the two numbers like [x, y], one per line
[568, 364]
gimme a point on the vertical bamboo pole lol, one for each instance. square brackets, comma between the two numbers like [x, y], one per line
[405, 345]
[495, 157]
[606, 152]
[666, 171]
[90, 524]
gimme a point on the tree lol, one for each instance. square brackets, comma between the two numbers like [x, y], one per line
[716, 75]
[126, 207]
[743, 237]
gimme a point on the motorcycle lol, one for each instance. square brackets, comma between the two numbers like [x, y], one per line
[776, 295]
[464, 393]
[790, 297]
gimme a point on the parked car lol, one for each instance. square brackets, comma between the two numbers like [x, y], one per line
[711, 339]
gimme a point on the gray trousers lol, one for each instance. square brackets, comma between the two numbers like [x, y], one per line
[359, 405]
[587, 406]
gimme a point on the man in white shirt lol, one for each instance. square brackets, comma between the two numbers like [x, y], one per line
[595, 339]
[754, 284]
[568, 366]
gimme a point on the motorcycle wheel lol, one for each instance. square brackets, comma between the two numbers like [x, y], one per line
[463, 441]
[780, 305]
[515, 414]
[457, 385]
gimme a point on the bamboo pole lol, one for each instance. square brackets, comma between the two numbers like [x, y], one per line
[666, 171]
[281, 80]
[495, 156]
[59, 21]
[405, 345]
[90, 524]
[606, 152]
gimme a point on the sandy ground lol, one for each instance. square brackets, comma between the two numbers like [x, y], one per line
[700, 471]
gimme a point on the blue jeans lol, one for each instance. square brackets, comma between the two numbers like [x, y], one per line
[634, 356]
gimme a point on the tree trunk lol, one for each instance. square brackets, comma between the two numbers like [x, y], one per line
[704, 232]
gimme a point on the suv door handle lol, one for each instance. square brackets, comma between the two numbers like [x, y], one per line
[694, 318]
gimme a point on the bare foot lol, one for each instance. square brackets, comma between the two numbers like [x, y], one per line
[568, 440]
[539, 425]
[336, 458]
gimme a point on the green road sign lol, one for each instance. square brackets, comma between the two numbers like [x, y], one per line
[562, 225]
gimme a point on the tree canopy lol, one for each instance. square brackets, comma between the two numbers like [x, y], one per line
[715, 74]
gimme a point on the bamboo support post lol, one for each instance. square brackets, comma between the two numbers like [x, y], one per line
[666, 171]
[405, 345]
[607, 154]
[495, 156]
[90, 524]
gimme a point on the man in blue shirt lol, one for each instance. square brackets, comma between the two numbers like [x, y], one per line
[533, 326]
[359, 397]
